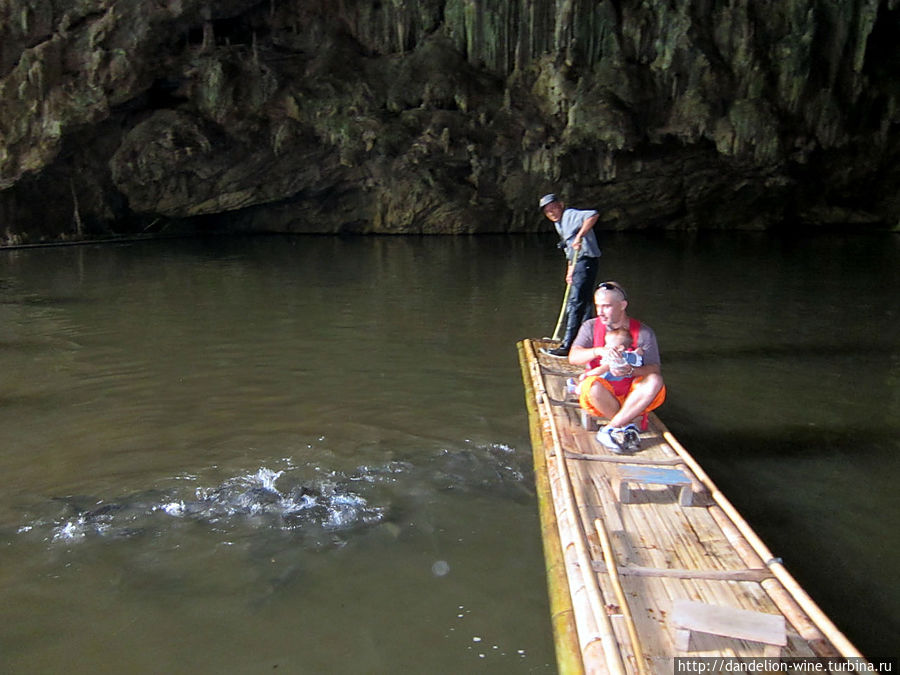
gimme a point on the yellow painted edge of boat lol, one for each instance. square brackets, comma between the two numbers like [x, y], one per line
[562, 614]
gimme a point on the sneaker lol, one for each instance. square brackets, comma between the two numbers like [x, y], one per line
[612, 439]
[631, 438]
[562, 350]
[571, 386]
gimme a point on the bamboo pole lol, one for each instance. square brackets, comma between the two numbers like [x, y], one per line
[779, 594]
[612, 654]
[608, 640]
[612, 571]
[562, 311]
[568, 651]
[815, 613]
[615, 520]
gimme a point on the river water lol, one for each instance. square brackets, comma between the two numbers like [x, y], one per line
[311, 454]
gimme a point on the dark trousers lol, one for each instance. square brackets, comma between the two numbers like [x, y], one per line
[581, 297]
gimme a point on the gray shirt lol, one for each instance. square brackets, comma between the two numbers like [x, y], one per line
[646, 341]
[567, 227]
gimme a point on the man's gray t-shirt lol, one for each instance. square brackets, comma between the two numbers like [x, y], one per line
[567, 227]
[646, 341]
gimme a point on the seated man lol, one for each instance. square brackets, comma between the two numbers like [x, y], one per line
[641, 387]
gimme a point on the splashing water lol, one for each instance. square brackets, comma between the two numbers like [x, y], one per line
[285, 499]
[255, 499]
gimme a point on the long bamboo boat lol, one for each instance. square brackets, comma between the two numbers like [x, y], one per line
[648, 563]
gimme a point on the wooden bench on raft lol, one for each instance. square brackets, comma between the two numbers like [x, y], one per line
[626, 474]
[741, 624]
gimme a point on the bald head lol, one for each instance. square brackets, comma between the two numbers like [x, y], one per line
[611, 300]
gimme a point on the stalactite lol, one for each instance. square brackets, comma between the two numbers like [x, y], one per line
[534, 90]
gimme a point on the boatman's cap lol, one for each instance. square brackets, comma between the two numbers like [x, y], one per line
[547, 199]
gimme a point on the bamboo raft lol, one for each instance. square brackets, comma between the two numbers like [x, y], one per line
[646, 559]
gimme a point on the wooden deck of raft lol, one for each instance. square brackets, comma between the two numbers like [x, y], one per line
[642, 567]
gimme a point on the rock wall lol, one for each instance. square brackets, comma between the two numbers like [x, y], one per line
[444, 116]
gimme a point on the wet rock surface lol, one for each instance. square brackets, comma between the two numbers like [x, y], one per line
[443, 116]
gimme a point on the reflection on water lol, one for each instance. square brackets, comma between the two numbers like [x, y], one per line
[312, 453]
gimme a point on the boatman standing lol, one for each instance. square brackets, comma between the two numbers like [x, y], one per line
[576, 229]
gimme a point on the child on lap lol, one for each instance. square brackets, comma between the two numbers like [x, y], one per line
[615, 344]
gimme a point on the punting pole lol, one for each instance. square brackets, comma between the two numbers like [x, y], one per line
[832, 632]
[562, 311]
[611, 651]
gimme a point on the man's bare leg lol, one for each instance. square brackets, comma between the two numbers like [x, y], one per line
[641, 395]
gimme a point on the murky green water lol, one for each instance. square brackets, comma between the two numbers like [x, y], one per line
[311, 454]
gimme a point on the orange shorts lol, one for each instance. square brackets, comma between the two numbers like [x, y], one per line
[585, 402]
